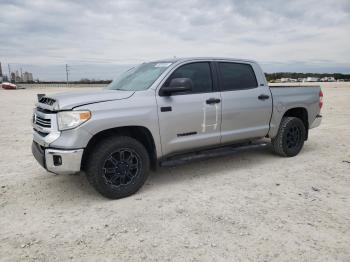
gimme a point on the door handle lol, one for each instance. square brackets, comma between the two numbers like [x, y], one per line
[263, 97]
[213, 101]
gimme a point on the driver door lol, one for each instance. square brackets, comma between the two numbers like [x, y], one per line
[191, 119]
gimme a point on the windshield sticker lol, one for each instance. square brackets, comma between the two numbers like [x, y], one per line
[162, 65]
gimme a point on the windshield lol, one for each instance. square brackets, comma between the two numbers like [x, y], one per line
[140, 77]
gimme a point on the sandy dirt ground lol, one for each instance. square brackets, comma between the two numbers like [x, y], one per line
[252, 206]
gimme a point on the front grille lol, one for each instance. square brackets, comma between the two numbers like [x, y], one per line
[40, 121]
[47, 100]
[43, 134]
[43, 110]
[44, 120]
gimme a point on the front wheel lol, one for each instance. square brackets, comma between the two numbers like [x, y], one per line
[118, 167]
[290, 137]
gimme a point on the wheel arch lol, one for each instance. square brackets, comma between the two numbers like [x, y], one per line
[302, 114]
[140, 133]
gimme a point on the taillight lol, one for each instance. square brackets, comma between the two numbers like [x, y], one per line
[321, 99]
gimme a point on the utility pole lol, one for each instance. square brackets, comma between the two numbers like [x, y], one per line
[67, 71]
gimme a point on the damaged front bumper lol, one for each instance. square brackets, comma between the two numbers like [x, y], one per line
[53, 157]
[58, 161]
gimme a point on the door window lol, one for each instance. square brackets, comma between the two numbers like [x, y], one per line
[235, 76]
[199, 73]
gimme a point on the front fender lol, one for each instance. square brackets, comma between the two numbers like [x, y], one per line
[139, 110]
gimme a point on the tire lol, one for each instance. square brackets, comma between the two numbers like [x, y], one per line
[118, 167]
[290, 137]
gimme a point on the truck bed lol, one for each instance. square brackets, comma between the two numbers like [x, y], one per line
[293, 96]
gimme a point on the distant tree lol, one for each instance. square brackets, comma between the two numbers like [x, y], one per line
[274, 76]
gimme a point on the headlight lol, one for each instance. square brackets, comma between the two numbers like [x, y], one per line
[72, 119]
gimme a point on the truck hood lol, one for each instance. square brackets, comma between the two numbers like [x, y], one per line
[69, 100]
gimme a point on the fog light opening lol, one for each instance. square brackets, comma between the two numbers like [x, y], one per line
[57, 160]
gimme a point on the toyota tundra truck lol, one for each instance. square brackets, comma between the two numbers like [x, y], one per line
[166, 108]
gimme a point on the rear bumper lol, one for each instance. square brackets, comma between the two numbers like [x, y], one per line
[316, 122]
[58, 161]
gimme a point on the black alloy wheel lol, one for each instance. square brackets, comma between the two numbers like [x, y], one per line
[117, 166]
[293, 137]
[122, 167]
[290, 137]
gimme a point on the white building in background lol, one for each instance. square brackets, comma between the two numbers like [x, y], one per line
[27, 77]
[328, 79]
[17, 77]
[288, 80]
[312, 79]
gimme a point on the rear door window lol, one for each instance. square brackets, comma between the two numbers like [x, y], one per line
[236, 76]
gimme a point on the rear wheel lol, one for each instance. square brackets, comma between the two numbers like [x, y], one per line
[290, 137]
[118, 167]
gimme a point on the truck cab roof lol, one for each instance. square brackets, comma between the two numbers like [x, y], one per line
[189, 59]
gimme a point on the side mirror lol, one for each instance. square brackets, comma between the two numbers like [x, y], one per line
[176, 85]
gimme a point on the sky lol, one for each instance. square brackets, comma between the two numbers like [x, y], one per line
[99, 39]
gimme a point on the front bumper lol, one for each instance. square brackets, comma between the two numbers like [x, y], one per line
[316, 122]
[58, 161]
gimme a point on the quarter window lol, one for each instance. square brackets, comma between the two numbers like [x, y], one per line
[235, 76]
[199, 73]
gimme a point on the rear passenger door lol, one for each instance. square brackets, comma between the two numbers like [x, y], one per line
[246, 104]
[192, 119]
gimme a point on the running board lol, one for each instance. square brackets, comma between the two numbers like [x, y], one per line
[211, 153]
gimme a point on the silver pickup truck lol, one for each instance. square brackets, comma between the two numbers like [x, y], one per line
[162, 109]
